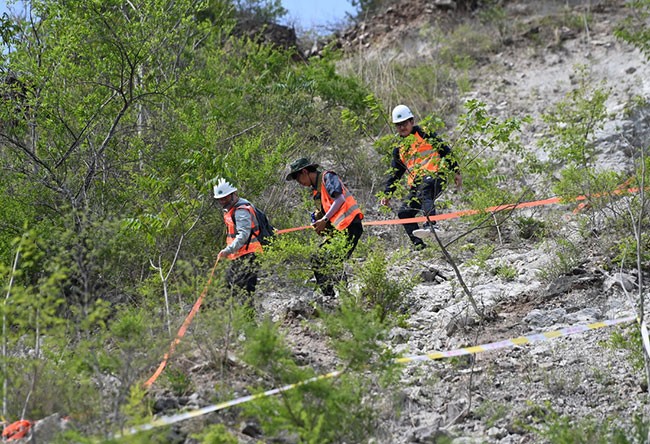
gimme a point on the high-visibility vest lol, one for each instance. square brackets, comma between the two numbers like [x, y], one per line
[346, 212]
[253, 245]
[420, 158]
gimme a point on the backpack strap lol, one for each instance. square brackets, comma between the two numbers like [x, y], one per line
[254, 214]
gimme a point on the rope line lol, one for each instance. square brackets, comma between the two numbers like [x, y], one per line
[183, 329]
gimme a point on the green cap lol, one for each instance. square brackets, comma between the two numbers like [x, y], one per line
[299, 164]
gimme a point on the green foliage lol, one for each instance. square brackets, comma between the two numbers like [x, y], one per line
[262, 10]
[494, 14]
[118, 120]
[477, 134]
[629, 339]
[566, 430]
[625, 250]
[373, 115]
[490, 412]
[216, 434]
[315, 412]
[319, 412]
[138, 407]
[32, 287]
[530, 227]
[379, 288]
[292, 252]
[128, 328]
[572, 127]
[357, 334]
[266, 349]
[482, 254]
[331, 86]
[634, 29]
[366, 7]
[223, 321]
[34, 332]
[507, 272]
[178, 381]
[567, 257]
[176, 89]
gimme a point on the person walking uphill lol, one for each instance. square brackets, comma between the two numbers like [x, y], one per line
[242, 243]
[336, 210]
[420, 154]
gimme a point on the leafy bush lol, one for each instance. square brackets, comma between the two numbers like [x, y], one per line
[379, 288]
[216, 434]
[318, 411]
[625, 250]
[507, 272]
[567, 256]
[530, 227]
[482, 254]
[629, 339]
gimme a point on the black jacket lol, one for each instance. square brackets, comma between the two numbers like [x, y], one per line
[398, 168]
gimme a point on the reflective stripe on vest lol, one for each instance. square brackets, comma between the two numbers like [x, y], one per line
[346, 212]
[419, 158]
[251, 246]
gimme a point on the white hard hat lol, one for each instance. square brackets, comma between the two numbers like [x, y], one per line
[401, 113]
[223, 189]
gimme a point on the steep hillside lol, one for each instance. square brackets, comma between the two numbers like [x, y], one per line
[533, 282]
[500, 396]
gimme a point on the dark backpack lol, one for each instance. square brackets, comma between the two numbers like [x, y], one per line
[267, 231]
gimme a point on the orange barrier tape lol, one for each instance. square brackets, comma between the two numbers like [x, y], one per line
[457, 214]
[16, 430]
[289, 230]
[494, 209]
[182, 330]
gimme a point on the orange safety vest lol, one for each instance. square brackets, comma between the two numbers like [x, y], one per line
[253, 245]
[419, 158]
[346, 212]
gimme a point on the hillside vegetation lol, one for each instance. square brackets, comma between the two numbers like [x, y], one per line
[117, 118]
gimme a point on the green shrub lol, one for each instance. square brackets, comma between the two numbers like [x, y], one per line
[567, 256]
[628, 338]
[178, 382]
[491, 412]
[481, 255]
[216, 434]
[625, 250]
[318, 412]
[379, 288]
[530, 227]
[507, 272]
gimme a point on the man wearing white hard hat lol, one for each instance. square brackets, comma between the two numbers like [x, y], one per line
[242, 243]
[420, 154]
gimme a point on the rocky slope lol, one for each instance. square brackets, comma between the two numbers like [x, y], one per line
[497, 396]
